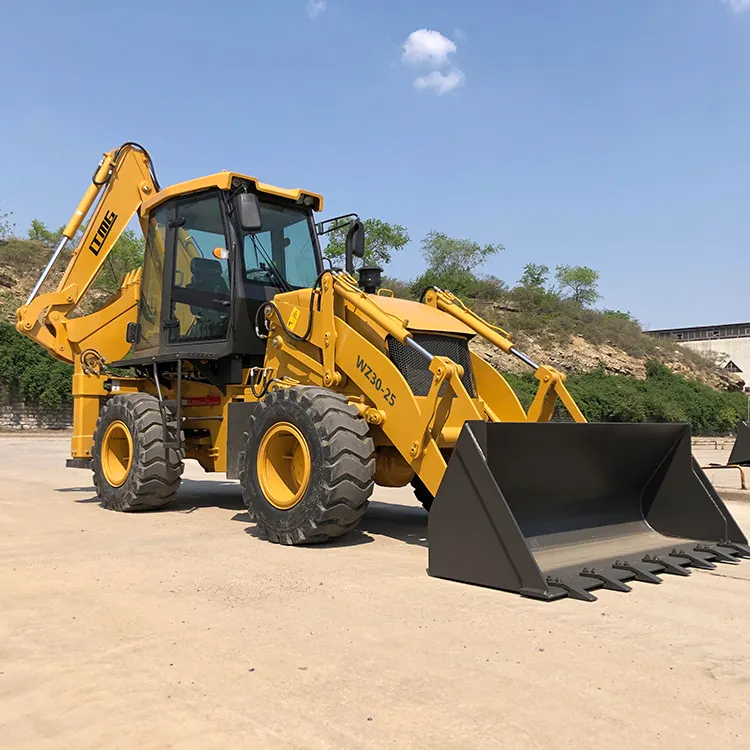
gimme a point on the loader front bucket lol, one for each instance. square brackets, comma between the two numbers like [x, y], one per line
[741, 450]
[554, 510]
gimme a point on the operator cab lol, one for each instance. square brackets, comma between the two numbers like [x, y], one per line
[213, 257]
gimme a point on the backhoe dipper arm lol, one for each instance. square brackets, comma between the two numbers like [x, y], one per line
[123, 180]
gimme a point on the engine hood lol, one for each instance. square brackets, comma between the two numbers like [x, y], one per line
[421, 318]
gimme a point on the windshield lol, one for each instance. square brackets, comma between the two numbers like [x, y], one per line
[285, 241]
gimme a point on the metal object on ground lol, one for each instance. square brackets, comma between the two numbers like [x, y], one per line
[554, 510]
[743, 483]
[741, 451]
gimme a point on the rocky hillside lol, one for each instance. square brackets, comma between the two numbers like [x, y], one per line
[550, 330]
[576, 355]
[21, 263]
[577, 340]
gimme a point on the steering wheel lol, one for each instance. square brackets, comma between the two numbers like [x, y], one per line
[259, 274]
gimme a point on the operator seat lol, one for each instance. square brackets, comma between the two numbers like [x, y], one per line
[207, 277]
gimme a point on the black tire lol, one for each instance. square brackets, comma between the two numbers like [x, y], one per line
[155, 467]
[422, 493]
[342, 465]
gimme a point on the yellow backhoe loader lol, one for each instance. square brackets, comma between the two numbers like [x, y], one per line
[310, 387]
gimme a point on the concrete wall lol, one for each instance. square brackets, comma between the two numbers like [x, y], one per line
[737, 349]
[15, 415]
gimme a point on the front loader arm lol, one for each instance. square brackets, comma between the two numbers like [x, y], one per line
[417, 427]
[122, 181]
[551, 381]
[347, 360]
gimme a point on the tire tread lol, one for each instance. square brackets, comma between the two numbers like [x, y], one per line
[157, 467]
[348, 470]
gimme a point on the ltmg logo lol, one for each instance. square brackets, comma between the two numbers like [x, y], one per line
[103, 232]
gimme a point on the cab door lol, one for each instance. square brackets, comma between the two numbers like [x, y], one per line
[200, 281]
[150, 308]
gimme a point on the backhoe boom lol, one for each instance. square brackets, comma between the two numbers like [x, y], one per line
[122, 181]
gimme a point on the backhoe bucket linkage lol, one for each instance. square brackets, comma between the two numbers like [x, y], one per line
[556, 510]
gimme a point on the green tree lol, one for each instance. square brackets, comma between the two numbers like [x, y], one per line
[534, 276]
[6, 225]
[125, 256]
[38, 232]
[444, 253]
[451, 265]
[27, 371]
[381, 241]
[578, 283]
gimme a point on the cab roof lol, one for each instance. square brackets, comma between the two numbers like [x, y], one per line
[223, 181]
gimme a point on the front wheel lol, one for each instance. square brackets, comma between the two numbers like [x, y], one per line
[307, 470]
[135, 459]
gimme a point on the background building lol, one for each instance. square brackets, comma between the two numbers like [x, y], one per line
[729, 344]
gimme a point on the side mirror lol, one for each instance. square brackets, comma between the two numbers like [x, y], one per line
[355, 244]
[248, 209]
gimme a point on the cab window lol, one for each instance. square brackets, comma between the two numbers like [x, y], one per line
[285, 245]
[152, 282]
[201, 298]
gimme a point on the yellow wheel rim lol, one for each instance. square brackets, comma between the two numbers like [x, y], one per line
[284, 465]
[117, 453]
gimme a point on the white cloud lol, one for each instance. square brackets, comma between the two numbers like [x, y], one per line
[427, 46]
[738, 6]
[440, 83]
[315, 7]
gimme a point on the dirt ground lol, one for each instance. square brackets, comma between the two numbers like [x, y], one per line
[182, 629]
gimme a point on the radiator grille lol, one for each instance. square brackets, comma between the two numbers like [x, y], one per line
[415, 368]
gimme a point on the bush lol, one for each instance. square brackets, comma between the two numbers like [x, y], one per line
[607, 398]
[663, 396]
[399, 288]
[607, 313]
[30, 373]
[23, 255]
[461, 282]
[547, 317]
[525, 386]
[488, 288]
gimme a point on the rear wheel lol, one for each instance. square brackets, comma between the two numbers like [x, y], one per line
[307, 470]
[134, 466]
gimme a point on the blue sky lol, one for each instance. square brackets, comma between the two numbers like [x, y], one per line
[609, 133]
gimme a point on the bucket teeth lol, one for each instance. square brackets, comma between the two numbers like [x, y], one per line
[609, 581]
[668, 565]
[741, 550]
[573, 591]
[639, 570]
[675, 562]
[695, 560]
[496, 522]
[720, 555]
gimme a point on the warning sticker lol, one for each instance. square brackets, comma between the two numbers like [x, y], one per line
[293, 318]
